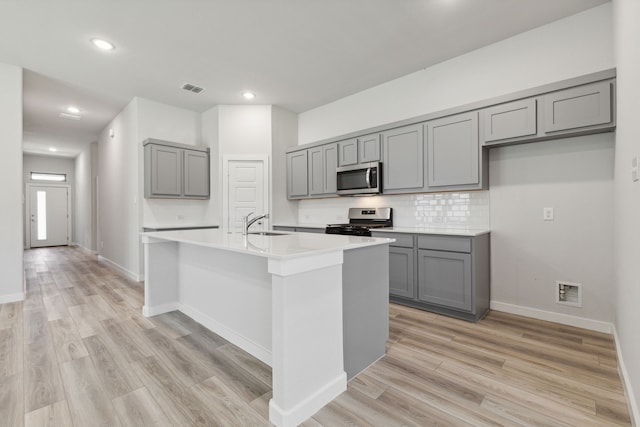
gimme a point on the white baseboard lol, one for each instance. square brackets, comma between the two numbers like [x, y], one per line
[305, 409]
[159, 309]
[564, 319]
[130, 274]
[258, 351]
[628, 390]
[4, 299]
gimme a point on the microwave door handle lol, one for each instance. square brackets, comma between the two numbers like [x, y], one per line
[368, 177]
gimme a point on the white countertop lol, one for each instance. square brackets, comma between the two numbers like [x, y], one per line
[470, 232]
[286, 245]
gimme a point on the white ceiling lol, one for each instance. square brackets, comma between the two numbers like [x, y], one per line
[298, 54]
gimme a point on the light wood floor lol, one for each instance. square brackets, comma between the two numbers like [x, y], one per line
[77, 352]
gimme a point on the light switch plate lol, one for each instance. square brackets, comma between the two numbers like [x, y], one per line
[635, 176]
[547, 214]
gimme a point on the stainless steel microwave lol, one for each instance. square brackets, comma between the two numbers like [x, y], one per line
[363, 178]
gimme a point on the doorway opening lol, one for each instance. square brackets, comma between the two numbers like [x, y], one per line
[48, 213]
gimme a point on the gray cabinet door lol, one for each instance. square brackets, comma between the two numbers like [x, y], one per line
[403, 158]
[330, 164]
[511, 120]
[369, 148]
[166, 171]
[348, 152]
[444, 278]
[401, 272]
[323, 162]
[196, 174]
[453, 151]
[297, 174]
[316, 171]
[582, 106]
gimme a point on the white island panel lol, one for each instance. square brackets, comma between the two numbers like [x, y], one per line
[280, 298]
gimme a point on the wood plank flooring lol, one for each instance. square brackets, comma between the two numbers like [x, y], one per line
[78, 352]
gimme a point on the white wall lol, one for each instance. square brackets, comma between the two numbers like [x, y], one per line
[165, 122]
[118, 192]
[11, 192]
[575, 177]
[284, 134]
[519, 189]
[51, 164]
[627, 195]
[570, 47]
[234, 130]
[83, 213]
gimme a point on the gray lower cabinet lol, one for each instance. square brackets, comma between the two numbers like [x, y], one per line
[515, 119]
[173, 170]
[297, 175]
[445, 279]
[403, 159]
[453, 152]
[402, 272]
[578, 107]
[440, 273]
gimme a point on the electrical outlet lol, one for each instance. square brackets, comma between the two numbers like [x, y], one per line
[547, 214]
[101, 245]
[180, 217]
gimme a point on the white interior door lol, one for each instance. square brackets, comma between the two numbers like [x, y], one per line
[246, 192]
[49, 215]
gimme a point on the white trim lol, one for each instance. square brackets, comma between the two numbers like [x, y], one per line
[230, 335]
[27, 210]
[565, 319]
[308, 406]
[130, 274]
[4, 299]
[148, 311]
[266, 172]
[628, 390]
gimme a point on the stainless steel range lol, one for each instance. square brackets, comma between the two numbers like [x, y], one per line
[362, 220]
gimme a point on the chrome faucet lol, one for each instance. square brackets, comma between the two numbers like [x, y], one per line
[246, 223]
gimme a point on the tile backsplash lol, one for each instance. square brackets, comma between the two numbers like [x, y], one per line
[440, 210]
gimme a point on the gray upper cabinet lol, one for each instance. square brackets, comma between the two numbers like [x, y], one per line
[510, 120]
[348, 152]
[196, 174]
[453, 151]
[323, 162]
[297, 178]
[363, 149]
[369, 148]
[174, 170]
[578, 107]
[403, 159]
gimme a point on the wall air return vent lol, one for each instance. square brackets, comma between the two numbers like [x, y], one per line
[192, 88]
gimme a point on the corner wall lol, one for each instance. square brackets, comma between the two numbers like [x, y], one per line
[83, 191]
[627, 197]
[11, 192]
[570, 47]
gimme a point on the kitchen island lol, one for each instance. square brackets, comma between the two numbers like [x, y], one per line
[312, 306]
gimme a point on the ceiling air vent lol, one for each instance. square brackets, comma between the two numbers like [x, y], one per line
[192, 88]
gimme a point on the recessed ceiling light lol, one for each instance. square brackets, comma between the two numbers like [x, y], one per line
[103, 44]
[248, 95]
[72, 109]
[53, 150]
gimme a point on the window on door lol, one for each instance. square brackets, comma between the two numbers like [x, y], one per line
[41, 213]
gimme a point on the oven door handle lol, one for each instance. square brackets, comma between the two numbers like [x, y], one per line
[368, 177]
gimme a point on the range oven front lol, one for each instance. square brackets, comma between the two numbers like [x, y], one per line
[364, 178]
